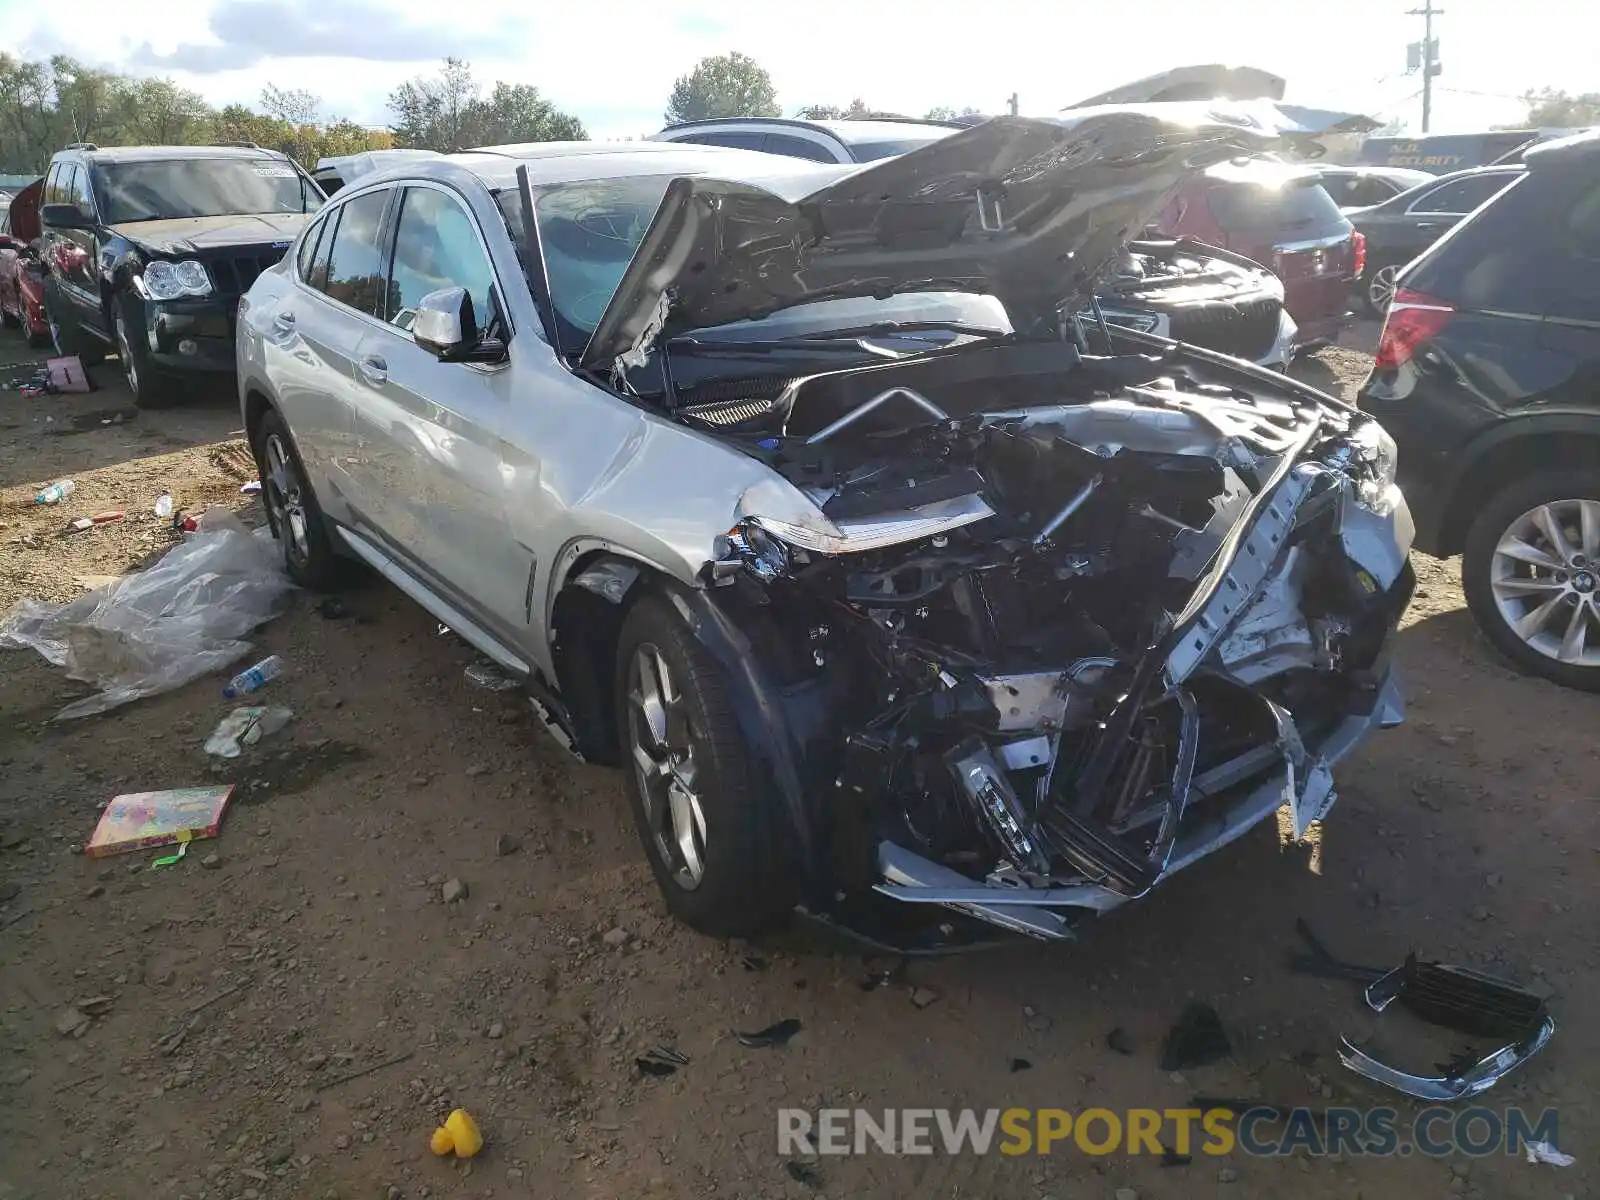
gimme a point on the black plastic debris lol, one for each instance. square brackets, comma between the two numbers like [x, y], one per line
[803, 1172]
[1020, 1064]
[772, 1035]
[1119, 1041]
[332, 608]
[659, 1061]
[753, 962]
[1171, 1158]
[1197, 1039]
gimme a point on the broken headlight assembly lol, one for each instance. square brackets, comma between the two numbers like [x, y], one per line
[172, 281]
[1374, 457]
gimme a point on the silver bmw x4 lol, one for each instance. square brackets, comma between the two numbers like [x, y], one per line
[907, 597]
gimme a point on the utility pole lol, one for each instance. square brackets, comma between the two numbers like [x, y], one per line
[1428, 57]
[1013, 101]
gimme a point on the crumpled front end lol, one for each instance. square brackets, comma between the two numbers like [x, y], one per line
[1078, 629]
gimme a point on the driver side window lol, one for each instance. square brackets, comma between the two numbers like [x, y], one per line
[437, 246]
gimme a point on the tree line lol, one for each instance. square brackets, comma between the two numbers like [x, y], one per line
[735, 85]
[49, 103]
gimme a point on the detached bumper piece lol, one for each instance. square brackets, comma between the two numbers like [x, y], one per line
[1455, 998]
[1469, 1002]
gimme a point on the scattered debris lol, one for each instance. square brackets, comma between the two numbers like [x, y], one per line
[157, 629]
[488, 675]
[1197, 1039]
[139, 820]
[660, 1061]
[211, 862]
[753, 962]
[615, 937]
[1020, 1064]
[458, 1135]
[1227, 1175]
[1544, 1152]
[110, 516]
[452, 891]
[66, 374]
[347, 1076]
[333, 608]
[773, 1035]
[72, 1022]
[507, 844]
[254, 678]
[245, 727]
[802, 1172]
[1119, 1041]
[922, 997]
[163, 507]
[56, 492]
[251, 488]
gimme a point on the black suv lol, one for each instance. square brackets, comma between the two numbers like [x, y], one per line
[149, 248]
[1488, 377]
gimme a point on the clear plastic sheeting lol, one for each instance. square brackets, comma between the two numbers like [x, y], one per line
[155, 630]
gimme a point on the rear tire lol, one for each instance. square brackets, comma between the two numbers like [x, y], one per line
[292, 509]
[692, 781]
[1377, 289]
[151, 387]
[1537, 601]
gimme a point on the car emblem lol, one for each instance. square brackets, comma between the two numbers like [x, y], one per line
[280, 245]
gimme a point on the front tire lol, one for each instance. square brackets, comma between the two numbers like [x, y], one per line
[151, 388]
[710, 827]
[1531, 572]
[292, 509]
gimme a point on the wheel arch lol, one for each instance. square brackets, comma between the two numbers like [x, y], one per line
[1510, 452]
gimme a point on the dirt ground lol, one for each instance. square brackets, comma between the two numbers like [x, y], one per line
[316, 944]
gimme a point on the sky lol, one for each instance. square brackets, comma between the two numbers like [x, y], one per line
[613, 64]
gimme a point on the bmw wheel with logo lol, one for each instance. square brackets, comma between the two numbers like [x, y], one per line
[1531, 572]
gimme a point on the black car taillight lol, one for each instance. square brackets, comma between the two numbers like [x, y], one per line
[1414, 318]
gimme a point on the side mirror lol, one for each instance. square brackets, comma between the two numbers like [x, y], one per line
[445, 325]
[64, 216]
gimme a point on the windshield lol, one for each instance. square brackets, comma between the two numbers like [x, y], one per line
[167, 189]
[588, 233]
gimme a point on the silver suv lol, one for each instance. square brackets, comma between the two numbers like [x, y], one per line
[794, 491]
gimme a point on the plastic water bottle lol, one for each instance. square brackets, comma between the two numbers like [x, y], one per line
[56, 492]
[164, 505]
[254, 679]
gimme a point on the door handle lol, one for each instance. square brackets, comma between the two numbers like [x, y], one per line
[1428, 224]
[374, 370]
[284, 322]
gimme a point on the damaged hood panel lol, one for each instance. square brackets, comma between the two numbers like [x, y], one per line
[1028, 210]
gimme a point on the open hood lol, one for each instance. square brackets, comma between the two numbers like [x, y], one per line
[24, 212]
[1026, 209]
[1212, 81]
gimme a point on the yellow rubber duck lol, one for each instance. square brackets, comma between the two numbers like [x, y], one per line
[458, 1135]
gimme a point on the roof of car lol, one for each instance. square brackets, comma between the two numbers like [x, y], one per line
[565, 162]
[1561, 149]
[876, 129]
[157, 153]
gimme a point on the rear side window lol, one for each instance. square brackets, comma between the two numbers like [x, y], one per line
[355, 263]
[81, 195]
[797, 147]
[1583, 222]
[1461, 196]
[732, 137]
[1302, 208]
[308, 250]
[52, 184]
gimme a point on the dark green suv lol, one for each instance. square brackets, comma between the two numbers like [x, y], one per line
[148, 249]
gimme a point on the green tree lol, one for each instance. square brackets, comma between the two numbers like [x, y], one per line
[1551, 108]
[431, 111]
[157, 112]
[724, 85]
[516, 112]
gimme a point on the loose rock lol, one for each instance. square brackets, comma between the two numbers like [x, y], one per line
[615, 937]
[211, 862]
[923, 996]
[453, 891]
[1227, 1175]
[71, 1022]
[506, 844]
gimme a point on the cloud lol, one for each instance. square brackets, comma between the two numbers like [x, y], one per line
[248, 32]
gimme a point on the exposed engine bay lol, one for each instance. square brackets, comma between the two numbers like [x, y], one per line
[1079, 620]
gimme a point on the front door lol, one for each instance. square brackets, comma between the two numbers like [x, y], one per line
[429, 431]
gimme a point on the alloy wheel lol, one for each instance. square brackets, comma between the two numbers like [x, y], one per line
[668, 768]
[1545, 578]
[1381, 288]
[285, 498]
[130, 369]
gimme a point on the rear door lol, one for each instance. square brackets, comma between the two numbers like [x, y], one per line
[1439, 209]
[429, 431]
[322, 326]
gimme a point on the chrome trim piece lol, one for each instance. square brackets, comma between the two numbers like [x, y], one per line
[1472, 1081]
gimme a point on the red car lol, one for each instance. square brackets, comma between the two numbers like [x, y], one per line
[21, 275]
[1280, 215]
